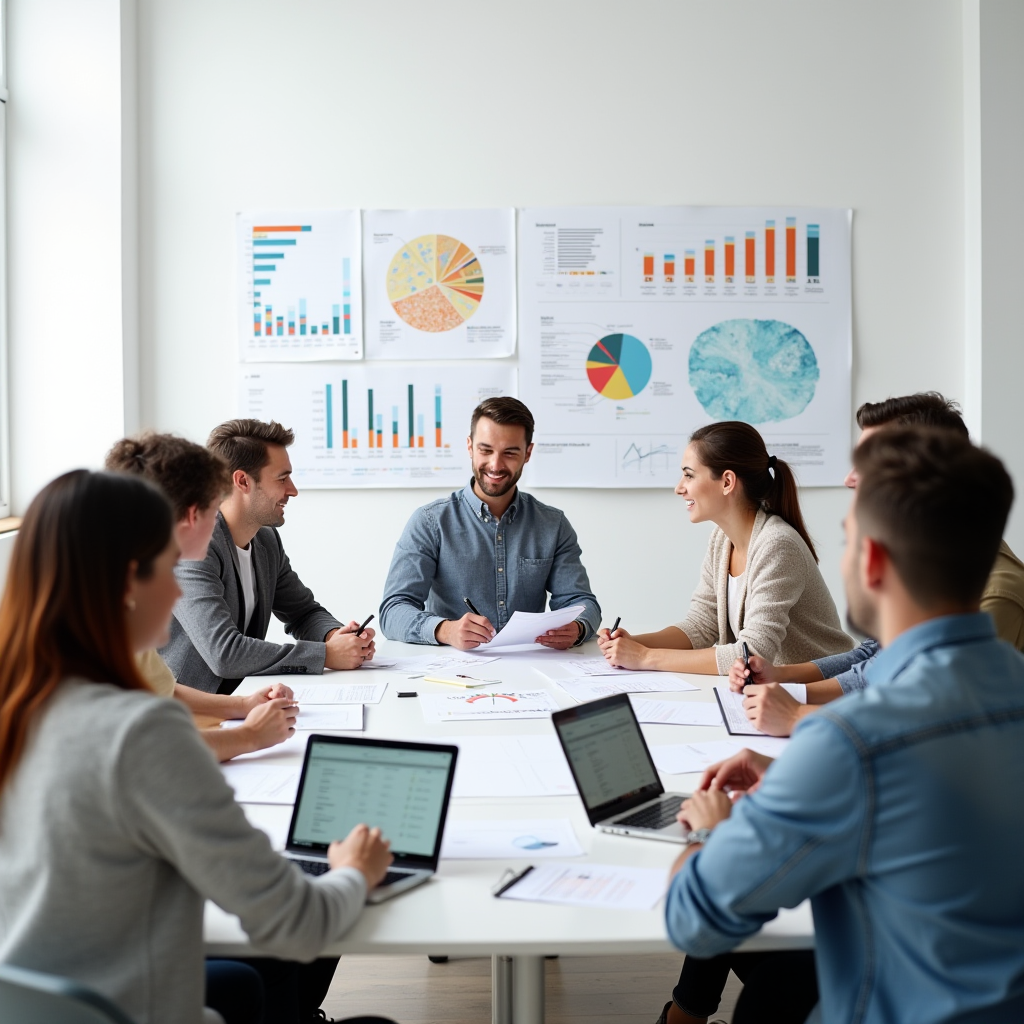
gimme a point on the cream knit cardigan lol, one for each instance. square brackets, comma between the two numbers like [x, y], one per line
[786, 613]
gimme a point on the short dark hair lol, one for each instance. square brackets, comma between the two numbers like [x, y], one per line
[506, 412]
[922, 409]
[242, 443]
[938, 504]
[187, 473]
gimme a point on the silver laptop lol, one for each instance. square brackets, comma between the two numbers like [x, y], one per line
[401, 788]
[614, 772]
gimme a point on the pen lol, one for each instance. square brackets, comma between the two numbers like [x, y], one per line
[364, 625]
[746, 659]
[453, 682]
[618, 619]
[469, 604]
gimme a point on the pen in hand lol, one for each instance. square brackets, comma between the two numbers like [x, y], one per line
[618, 619]
[746, 662]
[469, 604]
[364, 625]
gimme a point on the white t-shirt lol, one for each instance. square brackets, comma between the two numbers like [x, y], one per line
[248, 586]
[735, 586]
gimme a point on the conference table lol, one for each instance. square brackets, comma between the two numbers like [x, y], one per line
[455, 914]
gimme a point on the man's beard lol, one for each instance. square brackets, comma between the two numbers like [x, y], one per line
[504, 487]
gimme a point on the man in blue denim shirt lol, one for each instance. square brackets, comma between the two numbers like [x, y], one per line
[895, 809]
[502, 549]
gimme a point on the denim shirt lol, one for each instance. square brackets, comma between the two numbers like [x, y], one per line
[454, 548]
[848, 669]
[897, 811]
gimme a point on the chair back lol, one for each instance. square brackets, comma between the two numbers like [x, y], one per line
[31, 997]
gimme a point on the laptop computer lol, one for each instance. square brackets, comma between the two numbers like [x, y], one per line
[614, 773]
[402, 788]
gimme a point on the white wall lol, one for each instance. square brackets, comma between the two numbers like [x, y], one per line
[321, 103]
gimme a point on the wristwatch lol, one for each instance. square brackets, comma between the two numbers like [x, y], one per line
[582, 627]
[698, 835]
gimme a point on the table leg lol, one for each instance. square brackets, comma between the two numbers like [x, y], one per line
[501, 990]
[528, 990]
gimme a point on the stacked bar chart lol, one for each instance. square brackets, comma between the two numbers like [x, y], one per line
[297, 272]
[329, 407]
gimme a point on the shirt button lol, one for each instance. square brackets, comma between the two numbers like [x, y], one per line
[501, 602]
[499, 536]
[500, 569]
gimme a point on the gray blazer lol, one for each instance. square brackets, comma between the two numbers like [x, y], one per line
[209, 649]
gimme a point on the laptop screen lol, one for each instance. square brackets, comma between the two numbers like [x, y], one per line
[608, 755]
[400, 789]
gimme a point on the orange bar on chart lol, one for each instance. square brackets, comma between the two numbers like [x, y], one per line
[709, 260]
[344, 439]
[670, 268]
[420, 444]
[689, 265]
[791, 248]
[648, 266]
[769, 251]
[437, 438]
[750, 256]
[730, 258]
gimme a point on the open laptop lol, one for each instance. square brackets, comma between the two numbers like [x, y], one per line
[402, 788]
[614, 772]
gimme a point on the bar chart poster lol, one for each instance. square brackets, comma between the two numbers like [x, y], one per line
[300, 280]
[640, 324]
[440, 284]
[374, 426]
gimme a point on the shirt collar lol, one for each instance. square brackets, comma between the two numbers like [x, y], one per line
[479, 507]
[941, 632]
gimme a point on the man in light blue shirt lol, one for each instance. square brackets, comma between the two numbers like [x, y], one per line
[490, 543]
[895, 809]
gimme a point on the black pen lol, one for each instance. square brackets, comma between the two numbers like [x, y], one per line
[364, 625]
[746, 662]
[618, 619]
[469, 604]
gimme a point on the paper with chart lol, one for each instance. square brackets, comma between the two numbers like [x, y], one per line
[300, 285]
[682, 758]
[487, 704]
[447, 661]
[593, 688]
[262, 783]
[734, 715]
[501, 838]
[591, 885]
[308, 694]
[647, 322]
[523, 628]
[676, 712]
[374, 426]
[440, 284]
[511, 766]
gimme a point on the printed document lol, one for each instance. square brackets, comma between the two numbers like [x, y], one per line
[590, 688]
[591, 885]
[262, 783]
[511, 766]
[500, 839]
[735, 717]
[487, 704]
[339, 693]
[676, 712]
[682, 758]
[525, 627]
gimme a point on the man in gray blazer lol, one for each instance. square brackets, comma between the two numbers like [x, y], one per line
[220, 623]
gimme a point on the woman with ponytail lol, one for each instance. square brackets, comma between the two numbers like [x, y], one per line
[760, 583]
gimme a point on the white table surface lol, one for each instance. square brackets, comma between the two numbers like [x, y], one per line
[455, 913]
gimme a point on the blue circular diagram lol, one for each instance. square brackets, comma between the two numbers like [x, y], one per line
[758, 371]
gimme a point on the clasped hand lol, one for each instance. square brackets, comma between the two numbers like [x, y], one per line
[619, 650]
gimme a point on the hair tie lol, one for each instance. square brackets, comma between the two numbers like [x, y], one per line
[771, 465]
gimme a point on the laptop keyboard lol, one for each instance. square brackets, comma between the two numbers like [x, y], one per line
[656, 816]
[321, 867]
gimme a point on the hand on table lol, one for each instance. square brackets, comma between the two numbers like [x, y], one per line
[271, 722]
[741, 773]
[466, 633]
[563, 638]
[705, 809]
[772, 709]
[260, 697]
[620, 651]
[365, 850]
[347, 649]
[760, 672]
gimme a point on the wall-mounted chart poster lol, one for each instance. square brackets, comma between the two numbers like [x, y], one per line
[374, 426]
[440, 284]
[300, 287]
[640, 324]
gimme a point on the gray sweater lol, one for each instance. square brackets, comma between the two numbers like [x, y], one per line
[113, 828]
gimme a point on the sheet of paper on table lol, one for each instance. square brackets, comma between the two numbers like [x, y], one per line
[294, 746]
[676, 712]
[330, 718]
[736, 720]
[330, 692]
[562, 667]
[682, 758]
[486, 704]
[500, 839]
[511, 766]
[262, 783]
[592, 688]
[592, 885]
[378, 662]
[524, 627]
[449, 661]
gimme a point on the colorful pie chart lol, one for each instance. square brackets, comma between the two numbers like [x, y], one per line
[619, 366]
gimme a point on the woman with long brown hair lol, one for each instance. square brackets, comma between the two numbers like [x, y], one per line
[115, 821]
[760, 583]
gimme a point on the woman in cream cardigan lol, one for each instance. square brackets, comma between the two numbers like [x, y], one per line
[760, 582]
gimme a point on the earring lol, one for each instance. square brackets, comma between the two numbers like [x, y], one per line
[129, 603]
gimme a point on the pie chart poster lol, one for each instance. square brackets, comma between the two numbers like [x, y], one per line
[439, 284]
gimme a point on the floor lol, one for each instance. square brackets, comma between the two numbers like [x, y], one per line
[603, 990]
